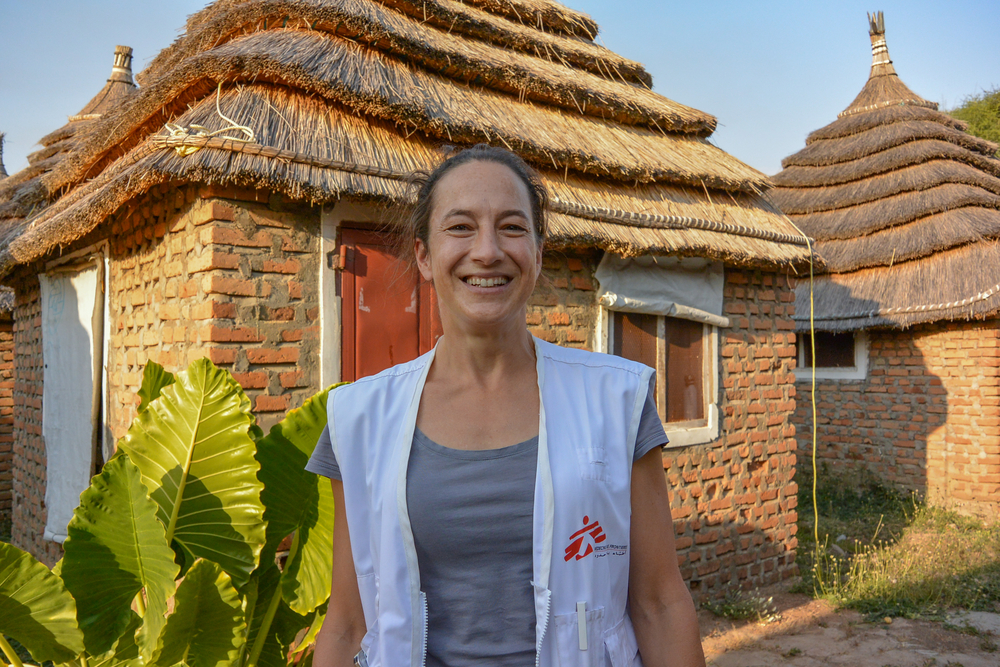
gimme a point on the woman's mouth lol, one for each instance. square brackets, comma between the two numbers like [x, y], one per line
[486, 282]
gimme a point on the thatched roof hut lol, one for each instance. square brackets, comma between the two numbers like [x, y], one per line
[904, 206]
[23, 194]
[343, 98]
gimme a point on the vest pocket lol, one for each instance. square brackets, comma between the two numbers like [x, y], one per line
[621, 644]
[570, 640]
[593, 463]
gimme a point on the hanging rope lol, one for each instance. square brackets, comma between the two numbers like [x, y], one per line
[179, 133]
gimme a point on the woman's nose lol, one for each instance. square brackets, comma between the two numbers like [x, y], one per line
[487, 246]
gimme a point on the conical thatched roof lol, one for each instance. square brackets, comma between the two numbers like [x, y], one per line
[346, 97]
[904, 206]
[24, 193]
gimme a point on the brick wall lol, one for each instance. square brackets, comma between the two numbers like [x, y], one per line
[224, 277]
[733, 500]
[563, 308]
[226, 274]
[6, 419]
[926, 419]
[28, 488]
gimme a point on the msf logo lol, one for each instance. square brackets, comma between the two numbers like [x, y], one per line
[581, 543]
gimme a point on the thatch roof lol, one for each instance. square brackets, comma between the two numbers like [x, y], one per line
[904, 206]
[23, 193]
[346, 97]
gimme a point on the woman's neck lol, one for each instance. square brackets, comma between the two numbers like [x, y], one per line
[484, 357]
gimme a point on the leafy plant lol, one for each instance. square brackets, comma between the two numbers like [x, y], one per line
[171, 556]
[740, 605]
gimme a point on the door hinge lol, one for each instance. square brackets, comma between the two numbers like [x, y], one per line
[338, 259]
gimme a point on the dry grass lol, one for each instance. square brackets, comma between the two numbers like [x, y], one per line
[922, 238]
[878, 296]
[915, 178]
[896, 556]
[881, 138]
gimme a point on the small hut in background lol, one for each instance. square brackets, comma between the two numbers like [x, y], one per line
[235, 207]
[22, 198]
[905, 209]
[6, 391]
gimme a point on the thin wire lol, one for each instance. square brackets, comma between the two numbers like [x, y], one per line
[181, 132]
[812, 368]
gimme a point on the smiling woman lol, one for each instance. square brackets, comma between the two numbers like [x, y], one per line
[505, 497]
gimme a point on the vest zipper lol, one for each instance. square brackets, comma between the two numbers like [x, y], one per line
[423, 649]
[544, 629]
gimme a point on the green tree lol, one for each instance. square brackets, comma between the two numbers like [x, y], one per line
[982, 113]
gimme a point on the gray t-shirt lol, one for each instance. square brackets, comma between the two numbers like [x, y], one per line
[471, 515]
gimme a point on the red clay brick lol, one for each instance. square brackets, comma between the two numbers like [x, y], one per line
[271, 403]
[283, 355]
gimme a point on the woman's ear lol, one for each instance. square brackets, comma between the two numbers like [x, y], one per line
[423, 257]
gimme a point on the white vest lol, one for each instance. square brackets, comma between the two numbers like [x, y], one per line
[588, 421]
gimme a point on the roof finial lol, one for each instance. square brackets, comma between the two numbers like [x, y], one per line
[3, 171]
[122, 69]
[881, 62]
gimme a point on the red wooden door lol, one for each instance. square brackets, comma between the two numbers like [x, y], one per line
[389, 315]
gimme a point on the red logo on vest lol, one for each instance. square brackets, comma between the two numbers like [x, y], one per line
[581, 543]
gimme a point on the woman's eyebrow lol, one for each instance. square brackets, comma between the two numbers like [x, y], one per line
[458, 212]
[463, 212]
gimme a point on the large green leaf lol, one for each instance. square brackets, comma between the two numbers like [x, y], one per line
[117, 547]
[36, 609]
[125, 652]
[298, 501]
[283, 625]
[207, 627]
[154, 379]
[197, 461]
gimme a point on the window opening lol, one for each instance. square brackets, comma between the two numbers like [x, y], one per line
[833, 350]
[676, 349]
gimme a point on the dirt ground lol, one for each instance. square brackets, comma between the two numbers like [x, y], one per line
[811, 633]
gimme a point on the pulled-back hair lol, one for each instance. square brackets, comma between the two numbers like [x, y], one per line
[417, 223]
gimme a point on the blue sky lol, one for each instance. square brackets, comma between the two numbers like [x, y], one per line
[771, 71]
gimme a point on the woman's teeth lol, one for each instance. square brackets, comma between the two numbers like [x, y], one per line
[486, 282]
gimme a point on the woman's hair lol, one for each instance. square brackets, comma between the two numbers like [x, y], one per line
[417, 223]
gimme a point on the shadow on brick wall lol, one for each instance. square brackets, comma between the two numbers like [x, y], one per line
[892, 423]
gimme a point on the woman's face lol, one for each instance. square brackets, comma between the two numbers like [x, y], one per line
[482, 253]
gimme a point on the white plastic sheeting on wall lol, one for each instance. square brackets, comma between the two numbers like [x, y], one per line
[68, 301]
[688, 288]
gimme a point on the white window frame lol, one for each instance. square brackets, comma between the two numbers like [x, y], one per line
[680, 434]
[859, 371]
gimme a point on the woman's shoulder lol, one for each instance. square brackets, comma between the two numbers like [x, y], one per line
[586, 358]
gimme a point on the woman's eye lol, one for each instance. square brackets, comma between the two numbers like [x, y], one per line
[516, 228]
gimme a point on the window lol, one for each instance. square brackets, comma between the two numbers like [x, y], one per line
[73, 319]
[839, 355]
[684, 353]
[664, 312]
